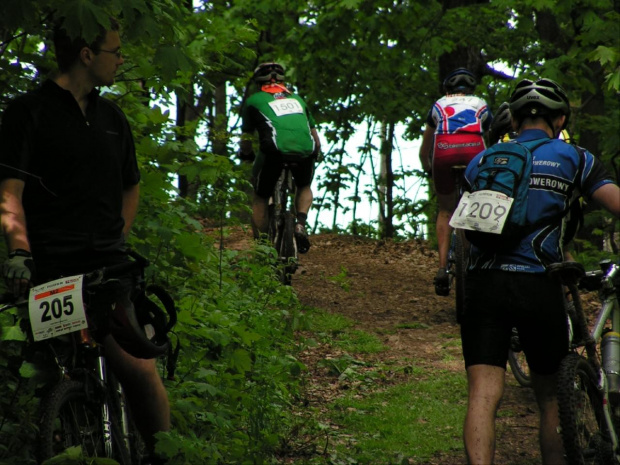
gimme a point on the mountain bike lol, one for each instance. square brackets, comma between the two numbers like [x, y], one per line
[458, 251]
[588, 381]
[85, 407]
[282, 220]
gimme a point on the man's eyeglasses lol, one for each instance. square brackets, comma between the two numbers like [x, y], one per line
[118, 52]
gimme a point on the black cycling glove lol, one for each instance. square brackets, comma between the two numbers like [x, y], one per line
[19, 265]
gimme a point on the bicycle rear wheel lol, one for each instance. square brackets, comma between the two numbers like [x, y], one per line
[582, 424]
[288, 249]
[70, 416]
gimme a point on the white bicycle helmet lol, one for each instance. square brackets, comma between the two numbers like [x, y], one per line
[544, 98]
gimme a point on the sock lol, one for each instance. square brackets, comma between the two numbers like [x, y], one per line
[301, 218]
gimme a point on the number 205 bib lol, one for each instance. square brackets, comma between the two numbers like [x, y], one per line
[484, 211]
[57, 307]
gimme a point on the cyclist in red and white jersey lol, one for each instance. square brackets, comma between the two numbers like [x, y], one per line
[456, 131]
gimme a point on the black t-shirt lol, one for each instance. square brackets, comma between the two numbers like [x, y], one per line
[75, 167]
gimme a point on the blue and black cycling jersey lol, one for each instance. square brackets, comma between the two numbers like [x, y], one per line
[560, 175]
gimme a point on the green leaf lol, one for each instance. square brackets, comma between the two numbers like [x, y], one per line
[241, 360]
[27, 370]
[13, 333]
[172, 60]
[83, 18]
[605, 55]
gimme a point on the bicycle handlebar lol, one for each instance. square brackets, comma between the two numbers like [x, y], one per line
[594, 280]
[92, 278]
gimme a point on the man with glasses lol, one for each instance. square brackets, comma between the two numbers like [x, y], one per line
[69, 189]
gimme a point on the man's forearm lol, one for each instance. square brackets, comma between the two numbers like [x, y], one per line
[12, 215]
[131, 199]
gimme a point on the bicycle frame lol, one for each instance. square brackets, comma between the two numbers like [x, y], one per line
[96, 370]
[610, 311]
[80, 360]
[585, 341]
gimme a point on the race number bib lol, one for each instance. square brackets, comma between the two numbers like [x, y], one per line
[57, 308]
[484, 211]
[286, 106]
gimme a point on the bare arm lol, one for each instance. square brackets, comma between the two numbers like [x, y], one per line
[608, 196]
[17, 270]
[12, 216]
[317, 141]
[426, 148]
[131, 197]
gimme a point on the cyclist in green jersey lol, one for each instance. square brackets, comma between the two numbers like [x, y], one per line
[286, 132]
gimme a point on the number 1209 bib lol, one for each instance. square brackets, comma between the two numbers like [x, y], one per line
[484, 211]
[57, 308]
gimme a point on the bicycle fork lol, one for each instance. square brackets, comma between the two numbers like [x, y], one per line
[106, 418]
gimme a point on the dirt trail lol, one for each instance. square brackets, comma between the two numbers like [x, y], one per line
[386, 289]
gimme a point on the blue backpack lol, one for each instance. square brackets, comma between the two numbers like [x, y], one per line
[506, 168]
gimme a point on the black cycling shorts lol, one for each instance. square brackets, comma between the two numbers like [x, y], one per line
[497, 301]
[266, 177]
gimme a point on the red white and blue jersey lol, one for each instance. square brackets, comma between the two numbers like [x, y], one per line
[459, 114]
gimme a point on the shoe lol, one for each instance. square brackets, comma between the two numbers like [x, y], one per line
[301, 236]
[442, 282]
[153, 460]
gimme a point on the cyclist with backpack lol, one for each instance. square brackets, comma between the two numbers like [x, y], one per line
[456, 131]
[286, 132]
[69, 191]
[507, 285]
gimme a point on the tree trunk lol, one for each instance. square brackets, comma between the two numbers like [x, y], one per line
[386, 182]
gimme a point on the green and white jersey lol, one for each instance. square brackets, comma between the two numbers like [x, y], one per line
[283, 123]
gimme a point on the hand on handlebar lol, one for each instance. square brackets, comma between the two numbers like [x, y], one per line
[19, 271]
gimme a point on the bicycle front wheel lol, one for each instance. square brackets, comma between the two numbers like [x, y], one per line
[519, 368]
[71, 417]
[582, 423]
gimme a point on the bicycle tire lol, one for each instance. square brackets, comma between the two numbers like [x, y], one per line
[273, 226]
[71, 416]
[582, 424]
[519, 367]
[460, 271]
[288, 250]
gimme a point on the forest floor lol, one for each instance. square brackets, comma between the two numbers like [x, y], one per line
[390, 294]
[386, 289]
